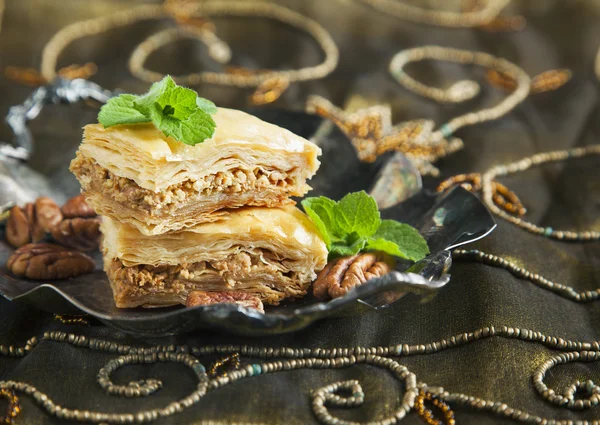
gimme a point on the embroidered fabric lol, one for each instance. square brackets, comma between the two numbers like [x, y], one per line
[544, 340]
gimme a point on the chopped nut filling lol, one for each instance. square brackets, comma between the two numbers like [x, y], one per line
[124, 190]
[258, 272]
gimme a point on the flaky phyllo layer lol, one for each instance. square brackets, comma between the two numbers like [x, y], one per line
[273, 253]
[136, 175]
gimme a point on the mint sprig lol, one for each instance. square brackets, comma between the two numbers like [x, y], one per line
[176, 111]
[354, 224]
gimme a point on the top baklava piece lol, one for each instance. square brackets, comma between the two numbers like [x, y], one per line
[137, 175]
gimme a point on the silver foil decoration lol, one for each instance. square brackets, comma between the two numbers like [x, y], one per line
[18, 182]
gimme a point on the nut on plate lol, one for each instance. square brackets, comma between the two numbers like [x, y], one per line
[196, 298]
[47, 213]
[342, 274]
[78, 207]
[32, 222]
[45, 261]
[78, 233]
[18, 232]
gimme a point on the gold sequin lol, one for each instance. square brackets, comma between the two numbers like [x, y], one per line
[497, 23]
[232, 362]
[505, 24]
[72, 319]
[13, 409]
[546, 81]
[269, 90]
[33, 78]
[427, 415]
[182, 11]
[503, 197]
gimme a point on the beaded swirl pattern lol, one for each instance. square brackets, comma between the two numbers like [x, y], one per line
[279, 359]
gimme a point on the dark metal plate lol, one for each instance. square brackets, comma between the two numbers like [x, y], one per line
[446, 222]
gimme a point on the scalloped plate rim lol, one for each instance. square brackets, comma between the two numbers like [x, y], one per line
[370, 287]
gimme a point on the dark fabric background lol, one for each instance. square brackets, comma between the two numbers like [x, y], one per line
[564, 196]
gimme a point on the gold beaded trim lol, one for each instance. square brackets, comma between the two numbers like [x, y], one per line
[427, 415]
[13, 409]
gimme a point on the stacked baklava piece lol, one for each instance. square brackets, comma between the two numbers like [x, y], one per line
[215, 217]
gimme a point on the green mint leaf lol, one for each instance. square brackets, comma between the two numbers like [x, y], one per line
[180, 102]
[145, 102]
[198, 127]
[321, 211]
[176, 111]
[384, 245]
[354, 224]
[410, 243]
[318, 222]
[206, 105]
[340, 249]
[120, 110]
[166, 123]
[357, 212]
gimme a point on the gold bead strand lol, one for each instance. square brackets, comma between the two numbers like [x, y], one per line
[492, 260]
[463, 90]
[463, 19]
[251, 79]
[487, 184]
[89, 27]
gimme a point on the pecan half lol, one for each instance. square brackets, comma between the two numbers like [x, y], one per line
[17, 227]
[45, 261]
[47, 213]
[343, 274]
[77, 207]
[82, 234]
[22, 226]
[245, 299]
[36, 231]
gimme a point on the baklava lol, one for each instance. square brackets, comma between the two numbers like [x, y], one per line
[271, 253]
[136, 175]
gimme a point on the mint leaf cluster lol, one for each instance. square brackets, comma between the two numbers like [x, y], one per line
[354, 224]
[176, 111]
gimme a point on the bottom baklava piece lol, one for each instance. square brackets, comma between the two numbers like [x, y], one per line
[165, 285]
[269, 253]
